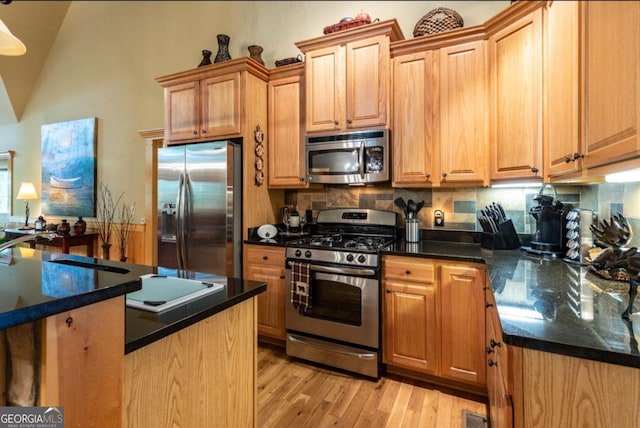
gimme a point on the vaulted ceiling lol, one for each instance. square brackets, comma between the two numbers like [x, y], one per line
[36, 24]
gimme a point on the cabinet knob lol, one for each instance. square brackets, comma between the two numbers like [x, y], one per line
[407, 272]
[349, 121]
[265, 257]
[282, 277]
[387, 290]
[488, 305]
[492, 363]
[489, 350]
[302, 179]
[335, 122]
[567, 159]
[493, 343]
[577, 156]
[195, 132]
[204, 131]
[427, 175]
[534, 170]
[444, 175]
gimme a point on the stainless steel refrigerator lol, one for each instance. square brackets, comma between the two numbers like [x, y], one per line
[200, 208]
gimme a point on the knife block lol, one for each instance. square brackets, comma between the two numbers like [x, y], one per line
[505, 239]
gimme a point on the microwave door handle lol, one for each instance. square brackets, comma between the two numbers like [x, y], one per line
[361, 166]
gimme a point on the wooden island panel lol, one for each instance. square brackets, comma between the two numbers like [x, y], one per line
[201, 376]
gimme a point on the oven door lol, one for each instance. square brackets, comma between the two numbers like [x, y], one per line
[344, 306]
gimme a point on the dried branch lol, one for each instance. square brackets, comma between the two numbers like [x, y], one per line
[106, 211]
[123, 227]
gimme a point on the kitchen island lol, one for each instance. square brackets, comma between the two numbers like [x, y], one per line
[70, 313]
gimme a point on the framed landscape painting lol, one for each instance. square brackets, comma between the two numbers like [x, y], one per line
[69, 168]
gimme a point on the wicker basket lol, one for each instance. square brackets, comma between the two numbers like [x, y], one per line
[346, 25]
[287, 61]
[437, 21]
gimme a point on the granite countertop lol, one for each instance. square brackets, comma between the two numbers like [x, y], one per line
[548, 304]
[35, 285]
[144, 327]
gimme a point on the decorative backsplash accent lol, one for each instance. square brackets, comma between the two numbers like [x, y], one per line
[462, 205]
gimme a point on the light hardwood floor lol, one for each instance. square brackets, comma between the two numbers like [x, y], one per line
[293, 393]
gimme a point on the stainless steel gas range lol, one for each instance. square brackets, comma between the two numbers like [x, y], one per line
[333, 292]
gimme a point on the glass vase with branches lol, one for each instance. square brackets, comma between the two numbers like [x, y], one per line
[106, 210]
[123, 228]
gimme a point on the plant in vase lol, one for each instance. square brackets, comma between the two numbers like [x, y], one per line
[123, 228]
[106, 211]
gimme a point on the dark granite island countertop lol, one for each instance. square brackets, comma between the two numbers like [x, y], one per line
[36, 284]
[548, 304]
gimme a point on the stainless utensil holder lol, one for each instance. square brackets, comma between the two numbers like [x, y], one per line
[412, 229]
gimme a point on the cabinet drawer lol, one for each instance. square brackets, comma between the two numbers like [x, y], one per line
[409, 269]
[261, 254]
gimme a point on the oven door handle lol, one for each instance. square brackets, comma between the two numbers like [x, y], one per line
[339, 270]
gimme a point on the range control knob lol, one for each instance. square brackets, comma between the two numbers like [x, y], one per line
[349, 257]
[298, 253]
[362, 258]
[307, 254]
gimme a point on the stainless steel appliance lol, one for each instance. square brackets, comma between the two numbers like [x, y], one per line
[342, 326]
[351, 158]
[578, 235]
[199, 190]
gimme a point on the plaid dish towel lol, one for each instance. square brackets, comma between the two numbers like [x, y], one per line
[300, 287]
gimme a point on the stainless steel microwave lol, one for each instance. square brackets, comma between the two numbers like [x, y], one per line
[358, 157]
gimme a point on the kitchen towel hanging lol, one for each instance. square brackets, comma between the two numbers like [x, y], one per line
[300, 287]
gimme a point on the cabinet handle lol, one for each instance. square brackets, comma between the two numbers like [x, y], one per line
[265, 257]
[444, 175]
[427, 175]
[387, 290]
[335, 122]
[195, 132]
[348, 121]
[407, 272]
[492, 363]
[488, 305]
[534, 170]
[493, 344]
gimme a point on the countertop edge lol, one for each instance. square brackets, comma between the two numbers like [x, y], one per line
[59, 305]
[154, 336]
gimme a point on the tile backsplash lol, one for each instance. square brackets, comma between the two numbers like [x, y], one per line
[462, 205]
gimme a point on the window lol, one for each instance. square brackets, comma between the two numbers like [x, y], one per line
[6, 163]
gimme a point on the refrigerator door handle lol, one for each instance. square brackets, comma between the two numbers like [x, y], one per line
[186, 224]
[180, 221]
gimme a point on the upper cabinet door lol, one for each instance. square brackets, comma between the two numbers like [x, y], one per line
[413, 119]
[612, 76]
[463, 113]
[515, 58]
[181, 112]
[562, 81]
[325, 89]
[221, 112]
[367, 82]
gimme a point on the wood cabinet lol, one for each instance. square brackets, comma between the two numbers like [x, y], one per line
[440, 122]
[464, 150]
[433, 319]
[267, 264]
[348, 78]
[414, 109]
[411, 332]
[286, 129]
[515, 63]
[612, 81]
[562, 145]
[497, 361]
[203, 109]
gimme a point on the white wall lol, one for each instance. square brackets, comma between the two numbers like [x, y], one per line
[108, 53]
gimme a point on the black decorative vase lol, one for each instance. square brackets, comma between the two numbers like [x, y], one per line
[64, 228]
[223, 48]
[80, 226]
[206, 58]
[255, 52]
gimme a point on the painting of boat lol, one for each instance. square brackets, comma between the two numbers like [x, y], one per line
[65, 183]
